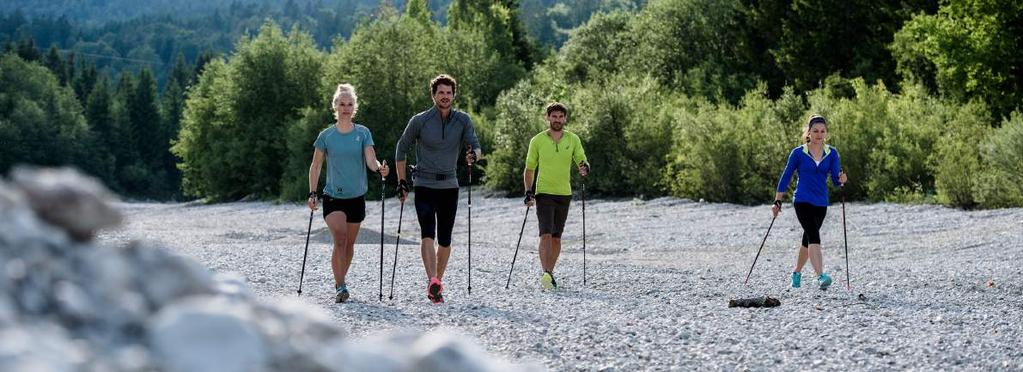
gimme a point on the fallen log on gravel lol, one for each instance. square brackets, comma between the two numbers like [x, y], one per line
[766, 301]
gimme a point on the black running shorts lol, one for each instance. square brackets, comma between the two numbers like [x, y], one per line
[551, 212]
[436, 209]
[354, 208]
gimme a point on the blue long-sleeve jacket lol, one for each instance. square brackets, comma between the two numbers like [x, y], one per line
[812, 186]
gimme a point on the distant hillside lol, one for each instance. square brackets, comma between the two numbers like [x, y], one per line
[547, 21]
[101, 11]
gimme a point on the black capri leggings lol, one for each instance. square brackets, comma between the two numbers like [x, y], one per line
[811, 217]
[436, 209]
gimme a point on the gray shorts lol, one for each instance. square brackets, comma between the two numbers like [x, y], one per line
[551, 212]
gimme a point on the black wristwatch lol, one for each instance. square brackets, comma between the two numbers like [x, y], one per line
[313, 194]
[777, 203]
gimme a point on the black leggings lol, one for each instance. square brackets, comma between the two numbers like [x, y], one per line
[811, 217]
[436, 209]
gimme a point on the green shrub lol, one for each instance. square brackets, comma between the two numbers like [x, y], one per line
[518, 115]
[854, 128]
[733, 154]
[625, 128]
[301, 135]
[1001, 183]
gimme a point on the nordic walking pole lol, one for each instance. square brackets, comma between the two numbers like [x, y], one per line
[394, 268]
[758, 250]
[584, 222]
[848, 285]
[380, 294]
[516, 255]
[304, 255]
[471, 163]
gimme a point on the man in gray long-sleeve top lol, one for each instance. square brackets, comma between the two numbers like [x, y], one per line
[440, 134]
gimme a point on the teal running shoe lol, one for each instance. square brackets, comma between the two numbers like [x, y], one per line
[824, 281]
[341, 294]
[797, 279]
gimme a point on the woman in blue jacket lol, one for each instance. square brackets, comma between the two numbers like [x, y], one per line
[813, 162]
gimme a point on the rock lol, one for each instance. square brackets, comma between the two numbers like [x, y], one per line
[73, 302]
[68, 199]
[164, 277]
[68, 304]
[38, 348]
[444, 352]
[8, 315]
[374, 355]
[231, 284]
[207, 334]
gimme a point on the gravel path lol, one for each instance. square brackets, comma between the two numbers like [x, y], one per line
[932, 287]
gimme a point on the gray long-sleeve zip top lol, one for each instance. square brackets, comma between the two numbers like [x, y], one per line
[439, 146]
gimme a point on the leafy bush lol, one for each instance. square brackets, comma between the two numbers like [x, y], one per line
[301, 135]
[1001, 184]
[626, 133]
[518, 116]
[733, 154]
[957, 163]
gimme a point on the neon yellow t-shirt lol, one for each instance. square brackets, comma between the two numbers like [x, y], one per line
[556, 161]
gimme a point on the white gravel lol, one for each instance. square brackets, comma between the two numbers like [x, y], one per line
[940, 287]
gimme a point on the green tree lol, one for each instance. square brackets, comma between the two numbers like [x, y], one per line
[124, 135]
[234, 132]
[83, 81]
[970, 49]
[693, 45]
[56, 65]
[205, 138]
[99, 115]
[27, 50]
[598, 49]
[417, 10]
[499, 19]
[172, 104]
[390, 62]
[503, 33]
[41, 122]
[812, 39]
[144, 119]
[550, 22]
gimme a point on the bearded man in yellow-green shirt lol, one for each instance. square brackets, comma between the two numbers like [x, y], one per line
[555, 151]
